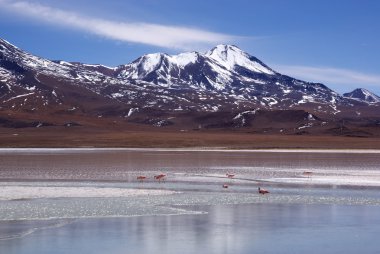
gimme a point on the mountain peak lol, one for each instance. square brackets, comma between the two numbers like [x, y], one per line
[224, 53]
[364, 95]
[230, 57]
[225, 48]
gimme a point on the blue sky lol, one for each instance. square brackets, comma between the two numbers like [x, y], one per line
[333, 42]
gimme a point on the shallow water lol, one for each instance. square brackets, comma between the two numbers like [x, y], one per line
[89, 201]
[125, 165]
[43, 200]
[251, 228]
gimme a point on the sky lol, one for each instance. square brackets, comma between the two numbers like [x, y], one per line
[333, 42]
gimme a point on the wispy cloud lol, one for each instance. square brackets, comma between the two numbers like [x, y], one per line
[145, 33]
[338, 78]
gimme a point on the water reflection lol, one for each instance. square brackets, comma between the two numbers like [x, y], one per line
[291, 225]
[256, 228]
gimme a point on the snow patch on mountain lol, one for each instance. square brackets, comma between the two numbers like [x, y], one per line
[131, 111]
[185, 58]
[18, 96]
[231, 56]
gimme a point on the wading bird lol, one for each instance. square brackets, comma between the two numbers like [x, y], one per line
[141, 178]
[307, 173]
[263, 191]
[160, 177]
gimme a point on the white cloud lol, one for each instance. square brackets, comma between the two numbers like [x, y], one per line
[339, 79]
[145, 33]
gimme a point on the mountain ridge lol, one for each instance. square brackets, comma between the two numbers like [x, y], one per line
[363, 95]
[154, 89]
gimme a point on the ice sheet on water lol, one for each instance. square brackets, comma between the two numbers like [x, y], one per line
[33, 192]
[42, 209]
[331, 180]
[163, 204]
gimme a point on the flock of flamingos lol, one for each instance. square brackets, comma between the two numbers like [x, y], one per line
[161, 177]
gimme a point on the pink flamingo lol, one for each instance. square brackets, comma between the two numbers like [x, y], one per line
[307, 173]
[141, 178]
[160, 177]
[263, 191]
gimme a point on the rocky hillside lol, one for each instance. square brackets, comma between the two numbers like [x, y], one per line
[222, 88]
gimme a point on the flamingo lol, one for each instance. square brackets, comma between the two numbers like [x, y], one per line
[263, 191]
[230, 175]
[160, 177]
[307, 173]
[141, 178]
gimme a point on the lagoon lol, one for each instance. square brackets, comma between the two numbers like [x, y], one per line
[89, 201]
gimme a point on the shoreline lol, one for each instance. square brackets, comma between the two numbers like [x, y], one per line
[191, 149]
[90, 138]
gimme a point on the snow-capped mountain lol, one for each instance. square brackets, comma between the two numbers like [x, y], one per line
[221, 68]
[233, 58]
[177, 71]
[224, 79]
[34, 84]
[229, 72]
[363, 95]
